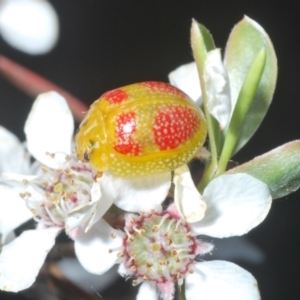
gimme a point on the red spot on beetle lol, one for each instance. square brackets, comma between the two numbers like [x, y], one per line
[157, 86]
[125, 127]
[174, 125]
[115, 96]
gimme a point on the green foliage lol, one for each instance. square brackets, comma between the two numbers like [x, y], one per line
[279, 169]
[245, 42]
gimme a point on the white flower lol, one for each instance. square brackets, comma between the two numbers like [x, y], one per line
[186, 78]
[217, 88]
[217, 85]
[159, 248]
[60, 192]
[13, 158]
[29, 25]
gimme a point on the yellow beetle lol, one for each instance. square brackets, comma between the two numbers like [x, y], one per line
[141, 129]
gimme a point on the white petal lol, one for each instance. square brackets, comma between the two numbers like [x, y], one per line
[217, 88]
[84, 214]
[13, 211]
[186, 197]
[15, 182]
[49, 128]
[142, 194]
[103, 194]
[122, 270]
[217, 280]
[80, 216]
[147, 291]
[235, 204]
[92, 248]
[29, 25]
[18, 178]
[13, 157]
[21, 260]
[186, 78]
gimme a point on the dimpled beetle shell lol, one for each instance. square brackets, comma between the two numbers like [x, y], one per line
[141, 129]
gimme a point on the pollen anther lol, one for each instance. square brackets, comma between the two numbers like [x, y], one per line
[133, 269]
[120, 254]
[149, 265]
[44, 169]
[155, 228]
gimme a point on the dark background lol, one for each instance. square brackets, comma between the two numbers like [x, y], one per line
[105, 44]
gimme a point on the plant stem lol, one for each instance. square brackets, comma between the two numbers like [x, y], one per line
[34, 84]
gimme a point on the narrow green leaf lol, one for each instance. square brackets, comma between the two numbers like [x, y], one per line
[207, 38]
[246, 40]
[241, 109]
[279, 169]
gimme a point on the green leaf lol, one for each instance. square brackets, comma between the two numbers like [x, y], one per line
[245, 42]
[207, 37]
[279, 169]
[241, 109]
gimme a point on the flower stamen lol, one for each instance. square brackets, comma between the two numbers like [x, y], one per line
[61, 190]
[158, 247]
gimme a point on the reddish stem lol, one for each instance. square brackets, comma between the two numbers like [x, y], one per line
[33, 84]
